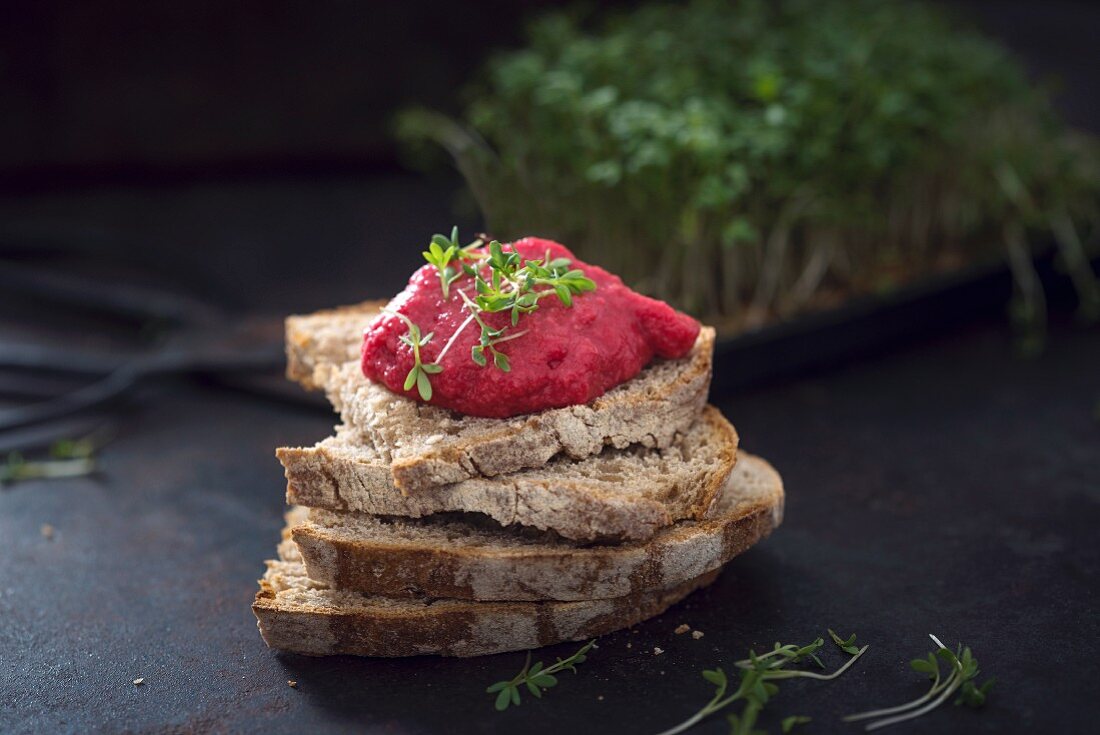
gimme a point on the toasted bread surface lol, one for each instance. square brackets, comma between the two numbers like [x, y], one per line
[427, 446]
[295, 613]
[467, 556]
[618, 494]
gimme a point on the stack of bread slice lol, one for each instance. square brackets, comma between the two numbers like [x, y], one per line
[416, 530]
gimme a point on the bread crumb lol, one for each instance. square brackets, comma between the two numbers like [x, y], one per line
[696, 634]
[47, 531]
[600, 698]
[292, 684]
[658, 651]
[139, 681]
[682, 628]
[629, 644]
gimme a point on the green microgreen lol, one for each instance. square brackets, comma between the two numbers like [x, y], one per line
[745, 160]
[418, 374]
[440, 253]
[962, 671]
[535, 677]
[68, 458]
[757, 674]
[17, 468]
[502, 282]
[789, 723]
[847, 645]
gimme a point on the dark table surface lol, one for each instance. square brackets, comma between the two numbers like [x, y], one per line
[946, 487]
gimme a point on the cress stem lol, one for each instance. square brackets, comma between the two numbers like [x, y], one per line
[713, 706]
[936, 688]
[953, 683]
[812, 675]
[746, 663]
[451, 341]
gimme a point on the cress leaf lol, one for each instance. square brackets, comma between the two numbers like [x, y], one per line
[410, 379]
[716, 677]
[545, 680]
[423, 385]
[789, 723]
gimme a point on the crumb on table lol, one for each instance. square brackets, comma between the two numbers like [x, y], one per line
[696, 634]
[682, 628]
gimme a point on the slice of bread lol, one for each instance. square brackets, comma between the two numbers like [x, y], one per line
[456, 557]
[295, 613]
[429, 446]
[617, 494]
[318, 342]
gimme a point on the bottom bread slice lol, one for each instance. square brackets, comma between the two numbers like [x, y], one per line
[297, 614]
[469, 556]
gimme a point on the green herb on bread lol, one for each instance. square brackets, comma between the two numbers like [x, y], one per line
[502, 282]
[418, 374]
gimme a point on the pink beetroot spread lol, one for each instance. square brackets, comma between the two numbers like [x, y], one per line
[568, 356]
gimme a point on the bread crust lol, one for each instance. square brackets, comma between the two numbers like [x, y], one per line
[398, 457]
[429, 446]
[326, 337]
[321, 622]
[346, 479]
[454, 560]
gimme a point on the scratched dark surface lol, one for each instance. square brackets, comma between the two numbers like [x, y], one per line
[945, 486]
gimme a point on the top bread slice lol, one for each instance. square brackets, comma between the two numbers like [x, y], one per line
[428, 446]
[617, 494]
[454, 556]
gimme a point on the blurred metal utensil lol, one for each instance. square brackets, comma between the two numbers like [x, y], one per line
[192, 337]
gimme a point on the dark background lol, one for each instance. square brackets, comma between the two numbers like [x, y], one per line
[239, 152]
[144, 92]
[217, 143]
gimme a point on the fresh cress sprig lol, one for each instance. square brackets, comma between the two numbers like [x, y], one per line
[440, 253]
[536, 678]
[848, 646]
[502, 282]
[68, 458]
[789, 723]
[418, 374]
[489, 339]
[755, 688]
[962, 670]
[15, 468]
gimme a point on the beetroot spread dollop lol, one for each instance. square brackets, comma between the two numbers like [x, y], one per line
[568, 355]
